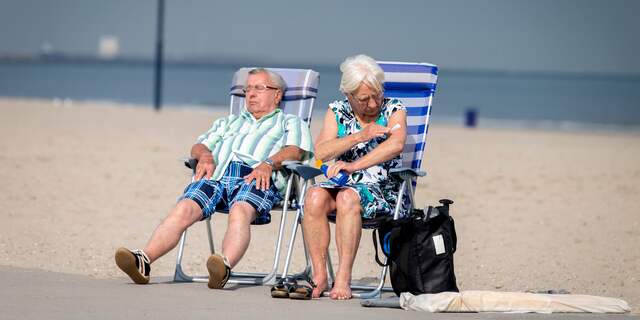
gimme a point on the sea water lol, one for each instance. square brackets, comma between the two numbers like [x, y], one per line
[552, 100]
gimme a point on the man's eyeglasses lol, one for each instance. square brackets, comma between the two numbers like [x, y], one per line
[258, 87]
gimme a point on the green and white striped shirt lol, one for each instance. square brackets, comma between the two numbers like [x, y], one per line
[242, 137]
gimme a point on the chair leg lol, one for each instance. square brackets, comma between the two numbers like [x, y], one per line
[237, 277]
[377, 291]
[179, 275]
[292, 240]
[210, 235]
[307, 269]
[306, 273]
[396, 212]
[369, 292]
[271, 277]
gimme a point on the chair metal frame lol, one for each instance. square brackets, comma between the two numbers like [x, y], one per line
[402, 81]
[299, 99]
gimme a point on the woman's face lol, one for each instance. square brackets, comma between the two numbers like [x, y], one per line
[366, 101]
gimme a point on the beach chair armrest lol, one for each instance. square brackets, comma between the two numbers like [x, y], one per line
[191, 163]
[296, 166]
[404, 173]
[304, 171]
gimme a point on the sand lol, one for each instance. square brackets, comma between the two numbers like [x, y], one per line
[533, 209]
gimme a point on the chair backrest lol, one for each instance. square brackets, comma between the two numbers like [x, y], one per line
[414, 84]
[298, 99]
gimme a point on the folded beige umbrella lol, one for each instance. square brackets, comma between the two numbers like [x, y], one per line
[515, 302]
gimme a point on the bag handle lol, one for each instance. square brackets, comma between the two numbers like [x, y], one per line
[375, 245]
[454, 237]
[389, 238]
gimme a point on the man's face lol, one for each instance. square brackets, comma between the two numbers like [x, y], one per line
[261, 102]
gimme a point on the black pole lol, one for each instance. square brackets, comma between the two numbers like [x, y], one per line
[157, 88]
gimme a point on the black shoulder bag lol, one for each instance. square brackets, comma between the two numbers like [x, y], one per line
[419, 250]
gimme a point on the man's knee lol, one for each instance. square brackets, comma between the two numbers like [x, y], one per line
[348, 200]
[187, 212]
[241, 214]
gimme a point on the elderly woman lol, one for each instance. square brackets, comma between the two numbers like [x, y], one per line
[365, 134]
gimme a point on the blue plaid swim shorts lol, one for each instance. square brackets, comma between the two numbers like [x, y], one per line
[220, 195]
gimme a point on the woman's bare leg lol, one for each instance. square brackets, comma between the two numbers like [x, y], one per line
[318, 203]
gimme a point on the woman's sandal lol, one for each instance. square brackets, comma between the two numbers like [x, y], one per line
[281, 289]
[302, 292]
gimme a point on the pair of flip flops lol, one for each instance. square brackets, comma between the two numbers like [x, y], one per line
[290, 288]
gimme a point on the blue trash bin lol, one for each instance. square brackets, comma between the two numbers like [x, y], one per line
[471, 118]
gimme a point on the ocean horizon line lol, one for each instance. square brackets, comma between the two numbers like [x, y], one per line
[237, 62]
[483, 122]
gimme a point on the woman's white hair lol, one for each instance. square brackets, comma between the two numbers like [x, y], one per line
[360, 69]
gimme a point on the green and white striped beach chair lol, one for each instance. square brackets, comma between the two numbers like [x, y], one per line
[298, 99]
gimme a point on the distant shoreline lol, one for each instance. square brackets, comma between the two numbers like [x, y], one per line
[235, 62]
[450, 121]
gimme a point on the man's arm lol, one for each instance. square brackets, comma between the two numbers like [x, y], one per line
[286, 153]
[262, 173]
[206, 166]
[201, 151]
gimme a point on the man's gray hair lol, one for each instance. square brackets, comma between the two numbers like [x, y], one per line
[275, 78]
[360, 69]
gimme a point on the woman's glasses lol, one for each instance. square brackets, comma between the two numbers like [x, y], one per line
[365, 100]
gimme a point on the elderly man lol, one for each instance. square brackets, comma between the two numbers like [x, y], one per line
[237, 163]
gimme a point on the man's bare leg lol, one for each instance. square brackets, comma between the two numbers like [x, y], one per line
[238, 234]
[167, 234]
[348, 232]
[318, 203]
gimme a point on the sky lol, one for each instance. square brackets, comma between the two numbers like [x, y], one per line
[593, 36]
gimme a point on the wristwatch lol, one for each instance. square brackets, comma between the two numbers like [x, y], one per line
[270, 163]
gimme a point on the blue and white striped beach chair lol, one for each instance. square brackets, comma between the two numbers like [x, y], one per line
[298, 99]
[414, 84]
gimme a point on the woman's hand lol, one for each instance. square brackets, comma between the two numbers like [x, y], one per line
[333, 169]
[372, 131]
